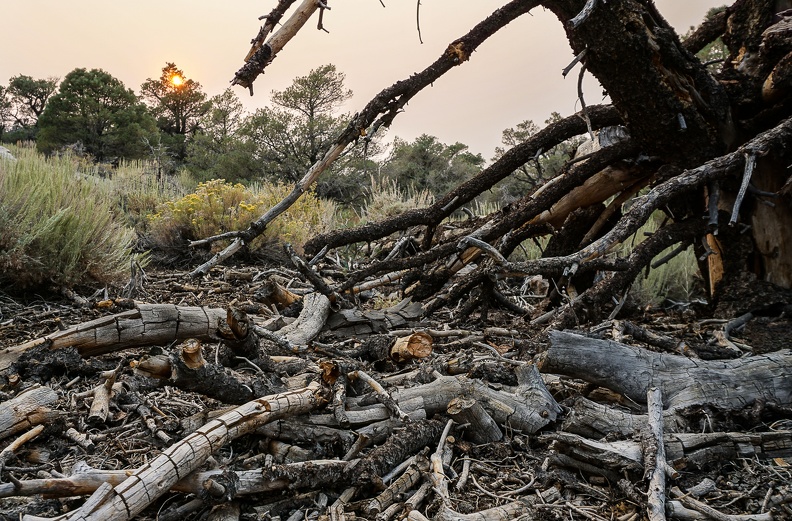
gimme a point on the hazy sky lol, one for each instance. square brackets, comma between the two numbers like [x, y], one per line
[515, 75]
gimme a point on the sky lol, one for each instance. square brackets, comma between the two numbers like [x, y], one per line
[513, 76]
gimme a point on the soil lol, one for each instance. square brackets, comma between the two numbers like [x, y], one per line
[519, 466]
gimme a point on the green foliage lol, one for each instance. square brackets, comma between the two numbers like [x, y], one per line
[218, 149]
[136, 189]
[177, 103]
[56, 226]
[95, 109]
[29, 97]
[217, 207]
[534, 173]
[295, 132]
[678, 279]
[388, 199]
[428, 164]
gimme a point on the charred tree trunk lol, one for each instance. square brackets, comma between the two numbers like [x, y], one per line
[673, 108]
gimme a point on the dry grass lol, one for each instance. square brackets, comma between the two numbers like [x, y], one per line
[57, 227]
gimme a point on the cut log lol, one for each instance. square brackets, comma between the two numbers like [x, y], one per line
[28, 409]
[148, 325]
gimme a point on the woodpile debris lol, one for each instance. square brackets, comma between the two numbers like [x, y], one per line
[184, 411]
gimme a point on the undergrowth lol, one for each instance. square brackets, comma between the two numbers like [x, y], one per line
[57, 227]
[217, 207]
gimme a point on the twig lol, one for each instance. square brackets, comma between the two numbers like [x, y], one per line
[384, 396]
[322, 6]
[566, 70]
[694, 504]
[673, 253]
[478, 243]
[583, 14]
[750, 163]
[583, 108]
[17, 443]
[418, 20]
[439, 478]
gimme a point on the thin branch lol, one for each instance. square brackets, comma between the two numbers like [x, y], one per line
[418, 19]
[583, 14]
[750, 163]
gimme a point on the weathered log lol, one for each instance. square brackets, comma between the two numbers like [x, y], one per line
[481, 427]
[149, 324]
[690, 451]
[528, 408]
[316, 308]
[594, 420]
[28, 409]
[726, 384]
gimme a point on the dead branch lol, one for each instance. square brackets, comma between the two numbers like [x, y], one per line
[380, 111]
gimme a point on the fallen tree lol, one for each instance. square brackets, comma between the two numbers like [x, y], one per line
[353, 420]
[705, 143]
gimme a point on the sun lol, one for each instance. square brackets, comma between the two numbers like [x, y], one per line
[177, 80]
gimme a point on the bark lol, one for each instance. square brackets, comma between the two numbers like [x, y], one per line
[673, 108]
[149, 324]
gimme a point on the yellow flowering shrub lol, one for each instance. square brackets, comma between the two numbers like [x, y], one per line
[217, 207]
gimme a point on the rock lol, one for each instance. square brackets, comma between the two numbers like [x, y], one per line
[6, 154]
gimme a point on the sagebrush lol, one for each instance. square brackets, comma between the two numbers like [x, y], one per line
[57, 227]
[217, 207]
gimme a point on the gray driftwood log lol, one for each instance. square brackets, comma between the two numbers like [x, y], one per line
[148, 324]
[724, 384]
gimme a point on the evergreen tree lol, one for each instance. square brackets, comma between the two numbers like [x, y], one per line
[218, 149]
[177, 103]
[97, 110]
[429, 164]
[296, 131]
[26, 99]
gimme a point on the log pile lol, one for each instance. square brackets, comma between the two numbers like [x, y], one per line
[239, 416]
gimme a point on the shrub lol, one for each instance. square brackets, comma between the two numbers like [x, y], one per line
[218, 207]
[57, 226]
[387, 200]
[677, 279]
[139, 191]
